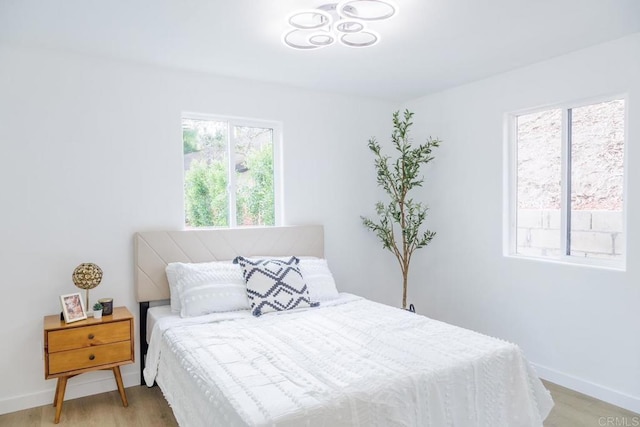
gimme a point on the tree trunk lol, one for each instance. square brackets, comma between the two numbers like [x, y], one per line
[404, 288]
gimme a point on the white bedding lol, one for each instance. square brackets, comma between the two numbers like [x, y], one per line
[155, 313]
[350, 362]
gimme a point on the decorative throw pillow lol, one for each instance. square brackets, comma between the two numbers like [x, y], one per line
[211, 287]
[315, 273]
[274, 284]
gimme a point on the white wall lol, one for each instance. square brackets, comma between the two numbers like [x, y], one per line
[579, 325]
[90, 152]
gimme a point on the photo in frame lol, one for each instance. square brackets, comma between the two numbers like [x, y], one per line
[73, 307]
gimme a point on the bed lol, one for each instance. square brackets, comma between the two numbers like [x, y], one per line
[347, 362]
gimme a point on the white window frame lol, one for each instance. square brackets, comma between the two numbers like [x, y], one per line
[510, 189]
[231, 188]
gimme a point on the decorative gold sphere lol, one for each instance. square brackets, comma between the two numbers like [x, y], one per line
[87, 275]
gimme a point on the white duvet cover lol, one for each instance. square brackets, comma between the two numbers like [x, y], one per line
[350, 362]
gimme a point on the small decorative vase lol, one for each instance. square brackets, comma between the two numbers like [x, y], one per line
[97, 314]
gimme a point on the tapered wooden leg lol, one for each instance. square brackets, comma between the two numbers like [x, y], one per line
[59, 399]
[123, 396]
[55, 396]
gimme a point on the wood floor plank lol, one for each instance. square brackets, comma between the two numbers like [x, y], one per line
[148, 408]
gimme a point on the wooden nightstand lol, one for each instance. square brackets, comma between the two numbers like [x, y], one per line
[85, 346]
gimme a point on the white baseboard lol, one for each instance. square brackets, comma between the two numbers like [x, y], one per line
[614, 397]
[80, 386]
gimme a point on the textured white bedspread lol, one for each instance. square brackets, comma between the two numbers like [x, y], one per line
[350, 363]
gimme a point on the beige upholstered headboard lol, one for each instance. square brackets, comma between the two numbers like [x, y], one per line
[155, 249]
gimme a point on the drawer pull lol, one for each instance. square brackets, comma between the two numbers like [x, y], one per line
[91, 336]
[92, 356]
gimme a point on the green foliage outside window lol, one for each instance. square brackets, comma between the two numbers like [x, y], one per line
[190, 141]
[255, 196]
[206, 182]
[206, 194]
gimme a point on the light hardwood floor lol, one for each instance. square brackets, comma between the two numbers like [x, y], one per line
[147, 407]
[573, 409]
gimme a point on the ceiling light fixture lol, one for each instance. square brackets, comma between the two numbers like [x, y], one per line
[344, 22]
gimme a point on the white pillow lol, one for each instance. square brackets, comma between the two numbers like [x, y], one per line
[173, 286]
[211, 287]
[316, 273]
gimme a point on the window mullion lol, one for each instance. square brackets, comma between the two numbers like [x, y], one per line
[231, 188]
[565, 195]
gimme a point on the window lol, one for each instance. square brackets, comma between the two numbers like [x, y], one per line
[567, 183]
[230, 172]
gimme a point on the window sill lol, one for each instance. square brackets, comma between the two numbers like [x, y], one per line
[603, 264]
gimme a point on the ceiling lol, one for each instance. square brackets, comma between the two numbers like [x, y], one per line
[429, 46]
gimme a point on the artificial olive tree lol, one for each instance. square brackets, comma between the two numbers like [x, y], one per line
[400, 220]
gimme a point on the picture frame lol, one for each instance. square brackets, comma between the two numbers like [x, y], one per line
[73, 307]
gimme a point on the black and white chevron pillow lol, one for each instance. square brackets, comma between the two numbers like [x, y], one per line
[274, 284]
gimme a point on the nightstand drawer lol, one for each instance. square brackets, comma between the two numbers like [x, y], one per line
[89, 357]
[87, 336]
